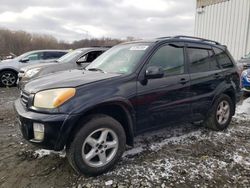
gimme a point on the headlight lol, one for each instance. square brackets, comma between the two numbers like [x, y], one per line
[244, 73]
[30, 73]
[53, 98]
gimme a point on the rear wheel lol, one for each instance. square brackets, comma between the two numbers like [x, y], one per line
[8, 78]
[97, 146]
[221, 114]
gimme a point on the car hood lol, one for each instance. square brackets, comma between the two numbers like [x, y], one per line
[40, 65]
[8, 62]
[71, 78]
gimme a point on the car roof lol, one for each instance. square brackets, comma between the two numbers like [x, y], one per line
[93, 48]
[179, 38]
[47, 50]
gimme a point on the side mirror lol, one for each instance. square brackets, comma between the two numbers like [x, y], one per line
[154, 72]
[82, 60]
[24, 60]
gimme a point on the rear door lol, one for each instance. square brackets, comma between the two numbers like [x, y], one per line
[164, 100]
[205, 77]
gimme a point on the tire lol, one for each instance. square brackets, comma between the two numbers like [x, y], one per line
[88, 141]
[8, 78]
[246, 94]
[213, 121]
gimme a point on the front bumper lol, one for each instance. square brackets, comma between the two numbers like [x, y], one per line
[57, 127]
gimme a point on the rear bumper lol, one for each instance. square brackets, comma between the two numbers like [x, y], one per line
[57, 127]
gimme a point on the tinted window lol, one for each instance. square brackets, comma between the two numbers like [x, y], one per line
[170, 58]
[213, 63]
[93, 55]
[198, 60]
[53, 55]
[223, 59]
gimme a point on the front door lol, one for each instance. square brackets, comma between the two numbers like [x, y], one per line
[164, 100]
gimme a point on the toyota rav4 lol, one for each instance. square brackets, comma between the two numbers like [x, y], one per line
[130, 89]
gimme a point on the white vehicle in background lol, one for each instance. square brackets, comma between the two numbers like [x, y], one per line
[9, 68]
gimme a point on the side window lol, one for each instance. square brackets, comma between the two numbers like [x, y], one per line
[93, 55]
[199, 60]
[53, 55]
[170, 58]
[213, 63]
[223, 59]
[34, 56]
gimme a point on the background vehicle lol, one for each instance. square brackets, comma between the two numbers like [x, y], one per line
[245, 61]
[9, 68]
[132, 88]
[76, 59]
[245, 78]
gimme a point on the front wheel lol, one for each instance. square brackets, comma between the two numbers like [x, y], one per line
[221, 114]
[8, 78]
[97, 146]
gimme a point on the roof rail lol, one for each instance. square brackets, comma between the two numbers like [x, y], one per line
[164, 37]
[196, 38]
[100, 46]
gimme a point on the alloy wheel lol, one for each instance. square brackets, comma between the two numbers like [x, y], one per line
[223, 112]
[8, 79]
[100, 147]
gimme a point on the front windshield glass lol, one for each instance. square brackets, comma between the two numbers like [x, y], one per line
[69, 56]
[23, 55]
[122, 59]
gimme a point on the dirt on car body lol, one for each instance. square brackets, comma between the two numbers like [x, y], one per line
[177, 156]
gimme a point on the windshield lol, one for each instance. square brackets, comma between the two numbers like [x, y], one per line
[69, 56]
[122, 59]
[23, 55]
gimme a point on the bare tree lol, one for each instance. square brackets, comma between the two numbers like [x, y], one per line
[18, 42]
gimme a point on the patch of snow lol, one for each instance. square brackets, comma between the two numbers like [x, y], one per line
[241, 160]
[110, 182]
[242, 112]
[152, 171]
[44, 152]
[176, 140]
[133, 151]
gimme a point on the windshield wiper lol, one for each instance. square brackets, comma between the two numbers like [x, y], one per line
[96, 69]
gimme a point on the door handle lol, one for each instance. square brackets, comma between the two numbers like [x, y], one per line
[217, 76]
[183, 81]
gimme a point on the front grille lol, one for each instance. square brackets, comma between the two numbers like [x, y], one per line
[25, 98]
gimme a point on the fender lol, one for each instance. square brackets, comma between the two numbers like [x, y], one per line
[9, 69]
[224, 88]
[70, 124]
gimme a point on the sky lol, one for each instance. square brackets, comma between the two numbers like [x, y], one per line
[71, 20]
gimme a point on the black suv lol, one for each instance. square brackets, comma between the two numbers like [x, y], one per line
[132, 88]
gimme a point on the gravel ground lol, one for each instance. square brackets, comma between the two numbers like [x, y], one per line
[180, 156]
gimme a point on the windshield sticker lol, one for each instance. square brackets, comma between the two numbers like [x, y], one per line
[138, 48]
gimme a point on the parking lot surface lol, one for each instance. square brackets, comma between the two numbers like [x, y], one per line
[177, 156]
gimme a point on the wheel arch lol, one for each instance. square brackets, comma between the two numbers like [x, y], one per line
[229, 92]
[119, 110]
[9, 69]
